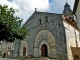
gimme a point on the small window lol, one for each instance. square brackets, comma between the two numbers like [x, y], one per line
[70, 18]
[76, 57]
[46, 18]
[40, 21]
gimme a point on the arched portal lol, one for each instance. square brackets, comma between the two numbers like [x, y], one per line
[24, 51]
[44, 50]
[44, 43]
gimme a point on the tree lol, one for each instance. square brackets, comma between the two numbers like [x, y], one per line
[10, 25]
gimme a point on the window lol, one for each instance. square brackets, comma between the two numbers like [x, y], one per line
[46, 18]
[40, 21]
[76, 57]
[70, 18]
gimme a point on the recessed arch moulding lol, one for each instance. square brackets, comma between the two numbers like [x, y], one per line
[47, 38]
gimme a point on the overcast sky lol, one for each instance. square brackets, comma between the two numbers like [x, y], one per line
[27, 7]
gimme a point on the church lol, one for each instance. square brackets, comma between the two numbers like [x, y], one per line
[51, 35]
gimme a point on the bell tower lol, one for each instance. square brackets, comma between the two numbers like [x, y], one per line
[67, 10]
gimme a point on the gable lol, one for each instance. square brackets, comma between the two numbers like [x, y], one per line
[38, 18]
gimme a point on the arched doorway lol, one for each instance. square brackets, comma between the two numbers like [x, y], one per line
[24, 51]
[44, 51]
[44, 37]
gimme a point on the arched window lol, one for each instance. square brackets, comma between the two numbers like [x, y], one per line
[40, 21]
[46, 18]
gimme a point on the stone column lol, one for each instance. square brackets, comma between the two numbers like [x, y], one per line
[36, 52]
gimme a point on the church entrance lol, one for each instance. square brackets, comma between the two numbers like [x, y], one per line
[44, 51]
[24, 51]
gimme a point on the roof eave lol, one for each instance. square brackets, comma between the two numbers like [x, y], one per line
[75, 6]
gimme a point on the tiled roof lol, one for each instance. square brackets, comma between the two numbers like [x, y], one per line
[67, 9]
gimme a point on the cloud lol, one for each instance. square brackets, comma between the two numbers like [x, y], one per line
[27, 7]
[57, 6]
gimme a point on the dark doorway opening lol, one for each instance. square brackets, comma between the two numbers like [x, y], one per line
[24, 51]
[44, 51]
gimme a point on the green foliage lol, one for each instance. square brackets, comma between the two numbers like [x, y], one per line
[10, 24]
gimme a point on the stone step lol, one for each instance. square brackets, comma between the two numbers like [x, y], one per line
[52, 59]
[43, 58]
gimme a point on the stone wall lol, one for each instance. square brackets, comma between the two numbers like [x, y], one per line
[7, 47]
[72, 38]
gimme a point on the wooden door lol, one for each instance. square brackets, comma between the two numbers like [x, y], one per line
[24, 51]
[44, 50]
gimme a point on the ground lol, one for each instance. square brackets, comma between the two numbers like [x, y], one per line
[6, 59]
[42, 58]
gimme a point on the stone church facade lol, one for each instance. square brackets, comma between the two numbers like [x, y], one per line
[46, 36]
[49, 36]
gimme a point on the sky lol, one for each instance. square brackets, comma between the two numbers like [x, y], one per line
[27, 7]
